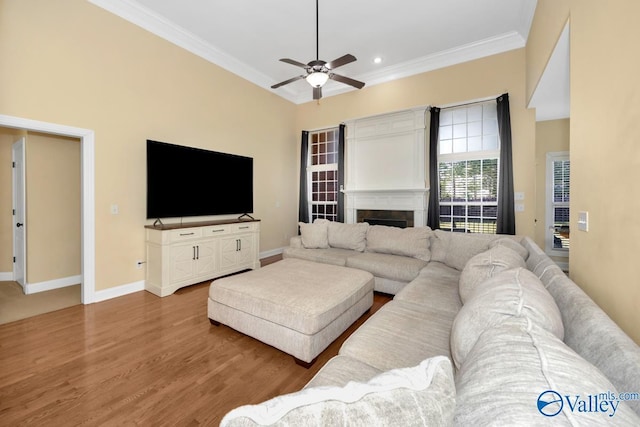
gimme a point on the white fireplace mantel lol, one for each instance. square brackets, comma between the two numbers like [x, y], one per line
[408, 199]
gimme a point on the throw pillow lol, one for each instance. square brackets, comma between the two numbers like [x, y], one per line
[411, 241]
[420, 395]
[455, 249]
[348, 236]
[511, 244]
[515, 293]
[518, 374]
[314, 236]
[485, 265]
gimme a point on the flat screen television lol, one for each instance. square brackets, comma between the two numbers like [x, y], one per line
[185, 181]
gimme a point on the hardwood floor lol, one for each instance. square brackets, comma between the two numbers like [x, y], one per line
[140, 360]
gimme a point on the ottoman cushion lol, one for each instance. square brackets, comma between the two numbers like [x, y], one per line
[301, 295]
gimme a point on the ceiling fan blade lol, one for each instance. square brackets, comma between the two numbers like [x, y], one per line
[346, 80]
[294, 62]
[343, 60]
[286, 82]
[317, 92]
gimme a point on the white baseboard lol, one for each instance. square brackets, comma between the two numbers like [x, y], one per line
[49, 285]
[6, 277]
[118, 291]
[272, 252]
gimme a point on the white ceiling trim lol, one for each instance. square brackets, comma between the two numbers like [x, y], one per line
[160, 26]
[457, 55]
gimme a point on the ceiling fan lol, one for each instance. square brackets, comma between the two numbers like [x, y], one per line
[318, 71]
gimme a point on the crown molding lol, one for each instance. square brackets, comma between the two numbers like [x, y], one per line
[469, 52]
[141, 16]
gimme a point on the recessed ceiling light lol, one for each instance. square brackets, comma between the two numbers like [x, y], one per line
[377, 60]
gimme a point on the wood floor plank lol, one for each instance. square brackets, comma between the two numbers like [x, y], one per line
[140, 360]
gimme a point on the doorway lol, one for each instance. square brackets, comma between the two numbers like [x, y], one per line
[87, 138]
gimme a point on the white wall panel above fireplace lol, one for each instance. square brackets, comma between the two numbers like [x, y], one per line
[386, 164]
[387, 152]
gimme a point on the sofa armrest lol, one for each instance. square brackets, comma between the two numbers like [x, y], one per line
[295, 242]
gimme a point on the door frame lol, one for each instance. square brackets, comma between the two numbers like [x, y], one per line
[87, 188]
[19, 212]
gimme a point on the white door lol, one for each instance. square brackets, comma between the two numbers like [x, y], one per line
[19, 214]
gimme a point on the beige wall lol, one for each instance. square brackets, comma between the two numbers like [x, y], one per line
[551, 136]
[605, 155]
[53, 207]
[482, 78]
[102, 73]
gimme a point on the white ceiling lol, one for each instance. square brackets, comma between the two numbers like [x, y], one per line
[411, 36]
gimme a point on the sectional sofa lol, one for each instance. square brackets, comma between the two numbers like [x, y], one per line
[482, 330]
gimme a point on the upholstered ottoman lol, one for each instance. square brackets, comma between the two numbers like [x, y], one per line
[294, 305]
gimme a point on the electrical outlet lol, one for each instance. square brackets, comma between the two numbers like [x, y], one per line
[115, 209]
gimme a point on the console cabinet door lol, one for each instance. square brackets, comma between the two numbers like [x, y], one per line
[182, 262]
[245, 254]
[206, 259]
[229, 247]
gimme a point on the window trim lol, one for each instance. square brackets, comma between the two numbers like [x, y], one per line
[552, 156]
[311, 168]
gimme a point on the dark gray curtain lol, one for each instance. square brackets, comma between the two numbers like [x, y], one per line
[506, 223]
[341, 147]
[303, 206]
[433, 213]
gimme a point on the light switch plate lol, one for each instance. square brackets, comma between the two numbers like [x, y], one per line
[583, 221]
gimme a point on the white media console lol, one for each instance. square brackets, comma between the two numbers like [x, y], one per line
[179, 255]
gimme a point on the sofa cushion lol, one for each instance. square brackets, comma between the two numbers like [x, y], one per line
[393, 267]
[455, 249]
[339, 370]
[515, 368]
[435, 288]
[333, 256]
[410, 242]
[348, 236]
[485, 265]
[399, 336]
[512, 293]
[315, 236]
[511, 243]
[422, 394]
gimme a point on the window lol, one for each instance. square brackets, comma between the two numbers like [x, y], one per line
[322, 172]
[558, 196]
[468, 155]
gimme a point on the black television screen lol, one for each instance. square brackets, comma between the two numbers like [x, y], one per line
[185, 181]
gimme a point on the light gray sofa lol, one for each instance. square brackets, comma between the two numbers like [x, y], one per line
[489, 332]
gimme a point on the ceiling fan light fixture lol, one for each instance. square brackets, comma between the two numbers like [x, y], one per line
[317, 78]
